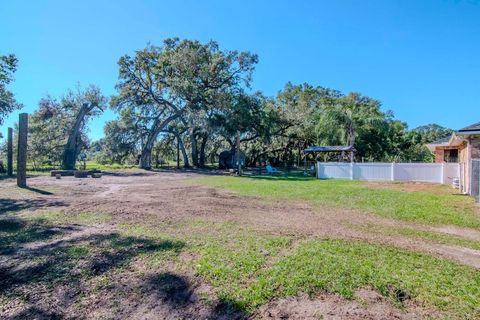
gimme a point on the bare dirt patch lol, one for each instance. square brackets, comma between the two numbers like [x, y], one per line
[367, 304]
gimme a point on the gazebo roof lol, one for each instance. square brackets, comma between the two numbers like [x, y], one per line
[314, 149]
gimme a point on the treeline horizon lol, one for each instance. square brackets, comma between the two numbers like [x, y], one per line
[197, 98]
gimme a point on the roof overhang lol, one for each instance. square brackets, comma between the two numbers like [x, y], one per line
[467, 133]
[452, 143]
[433, 146]
[314, 149]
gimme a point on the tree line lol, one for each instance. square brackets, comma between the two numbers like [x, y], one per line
[196, 99]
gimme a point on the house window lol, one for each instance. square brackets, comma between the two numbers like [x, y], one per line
[451, 155]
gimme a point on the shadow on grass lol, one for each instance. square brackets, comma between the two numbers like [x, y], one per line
[44, 192]
[178, 294]
[14, 205]
[283, 177]
[15, 232]
[40, 263]
[38, 260]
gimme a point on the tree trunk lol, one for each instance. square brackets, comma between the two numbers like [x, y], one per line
[351, 136]
[145, 161]
[202, 150]
[157, 158]
[193, 143]
[186, 163]
[178, 154]
[146, 158]
[70, 152]
[239, 164]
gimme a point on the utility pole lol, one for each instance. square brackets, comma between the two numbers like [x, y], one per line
[10, 152]
[22, 150]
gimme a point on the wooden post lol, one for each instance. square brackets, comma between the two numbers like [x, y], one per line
[10, 152]
[22, 150]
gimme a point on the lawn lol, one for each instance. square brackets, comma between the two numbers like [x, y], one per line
[108, 258]
[438, 205]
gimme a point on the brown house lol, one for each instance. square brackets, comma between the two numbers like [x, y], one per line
[461, 147]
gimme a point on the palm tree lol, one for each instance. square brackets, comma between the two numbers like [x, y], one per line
[347, 114]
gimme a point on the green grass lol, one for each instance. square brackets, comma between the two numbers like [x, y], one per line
[248, 268]
[342, 267]
[428, 207]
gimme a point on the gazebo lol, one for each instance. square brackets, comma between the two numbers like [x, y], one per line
[316, 150]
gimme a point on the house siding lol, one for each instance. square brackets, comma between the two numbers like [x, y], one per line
[475, 146]
[439, 155]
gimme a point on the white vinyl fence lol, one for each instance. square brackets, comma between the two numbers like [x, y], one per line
[425, 172]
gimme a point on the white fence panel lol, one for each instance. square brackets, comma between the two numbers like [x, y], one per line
[450, 172]
[334, 170]
[424, 172]
[372, 171]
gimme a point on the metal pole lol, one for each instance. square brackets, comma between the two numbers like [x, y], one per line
[10, 152]
[22, 150]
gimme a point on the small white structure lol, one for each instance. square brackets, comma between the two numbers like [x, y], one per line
[444, 173]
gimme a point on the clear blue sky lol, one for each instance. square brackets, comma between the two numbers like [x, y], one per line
[420, 58]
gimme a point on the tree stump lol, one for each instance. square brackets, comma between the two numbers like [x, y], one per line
[81, 174]
[64, 173]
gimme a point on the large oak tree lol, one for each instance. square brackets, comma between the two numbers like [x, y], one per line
[174, 81]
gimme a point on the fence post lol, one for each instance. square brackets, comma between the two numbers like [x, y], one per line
[442, 175]
[22, 150]
[392, 172]
[10, 152]
[460, 176]
[351, 170]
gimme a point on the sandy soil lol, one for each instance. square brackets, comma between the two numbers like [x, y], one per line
[171, 197]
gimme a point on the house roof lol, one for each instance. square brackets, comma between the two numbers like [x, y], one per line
[471, 128]
[456, 138]
[443, 140]
[329, 149]
[449, 141]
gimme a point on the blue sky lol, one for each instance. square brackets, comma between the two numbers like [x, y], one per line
[420, 58]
